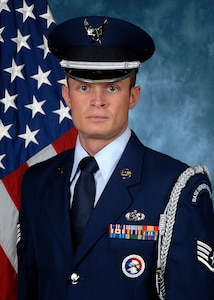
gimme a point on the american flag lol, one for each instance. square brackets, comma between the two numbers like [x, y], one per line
[35, 123]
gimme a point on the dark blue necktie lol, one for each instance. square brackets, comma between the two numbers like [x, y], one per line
[83, 198]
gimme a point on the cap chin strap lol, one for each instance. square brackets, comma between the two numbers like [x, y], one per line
[166, 224]
[86, 65]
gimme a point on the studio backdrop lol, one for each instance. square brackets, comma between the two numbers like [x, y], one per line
[175, 114]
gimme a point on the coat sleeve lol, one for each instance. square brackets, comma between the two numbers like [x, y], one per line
[27, 271]
[190, 263]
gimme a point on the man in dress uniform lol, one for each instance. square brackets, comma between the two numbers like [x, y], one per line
[112, 219]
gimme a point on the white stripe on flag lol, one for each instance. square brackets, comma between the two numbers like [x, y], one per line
[8, 225]
[42, 155]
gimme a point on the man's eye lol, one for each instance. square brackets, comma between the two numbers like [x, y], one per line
[84, 88]
[112, 88]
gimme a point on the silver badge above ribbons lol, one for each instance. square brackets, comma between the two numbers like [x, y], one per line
[135, 215]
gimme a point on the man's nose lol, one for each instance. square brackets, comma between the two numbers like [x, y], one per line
[98, 99]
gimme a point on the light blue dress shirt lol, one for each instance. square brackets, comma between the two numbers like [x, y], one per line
[107, 159]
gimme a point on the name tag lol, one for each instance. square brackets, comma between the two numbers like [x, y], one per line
[133, 232]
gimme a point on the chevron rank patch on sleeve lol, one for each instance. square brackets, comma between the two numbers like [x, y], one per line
[205, 255]
[18, 233]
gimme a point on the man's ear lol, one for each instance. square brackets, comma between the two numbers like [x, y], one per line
[134, 96]
[65, 94]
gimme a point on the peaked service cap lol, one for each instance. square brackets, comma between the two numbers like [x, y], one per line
[98, 48]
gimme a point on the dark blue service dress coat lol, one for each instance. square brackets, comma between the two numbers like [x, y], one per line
[107, 266]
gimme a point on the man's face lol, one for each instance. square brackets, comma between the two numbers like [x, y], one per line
[100, 110]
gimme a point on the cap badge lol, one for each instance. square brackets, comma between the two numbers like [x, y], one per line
[135, 215]
[133, 266]
[96, 33]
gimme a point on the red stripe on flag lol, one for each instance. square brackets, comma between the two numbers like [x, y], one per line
[12, 183]
[66, 141]
[8, 278]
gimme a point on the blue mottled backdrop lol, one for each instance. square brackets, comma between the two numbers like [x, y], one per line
[176, 111]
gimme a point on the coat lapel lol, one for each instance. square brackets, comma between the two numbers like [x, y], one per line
[116, 198]
[58, 200]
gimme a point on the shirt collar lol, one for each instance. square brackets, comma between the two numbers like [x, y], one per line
[106, 158]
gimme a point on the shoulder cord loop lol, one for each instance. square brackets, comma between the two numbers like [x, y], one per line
[166, 224]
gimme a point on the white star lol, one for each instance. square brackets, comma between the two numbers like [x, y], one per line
[36, 107]
[41, 77]
[1, 30]
[63, 112]
[8, 101]
[26, 11]
[15, 71]
[29, 136]
[21, 40]
[4, 6]
[1, 158]
[62, 81]
[48, 16]
[4, 130]
[44, 47]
